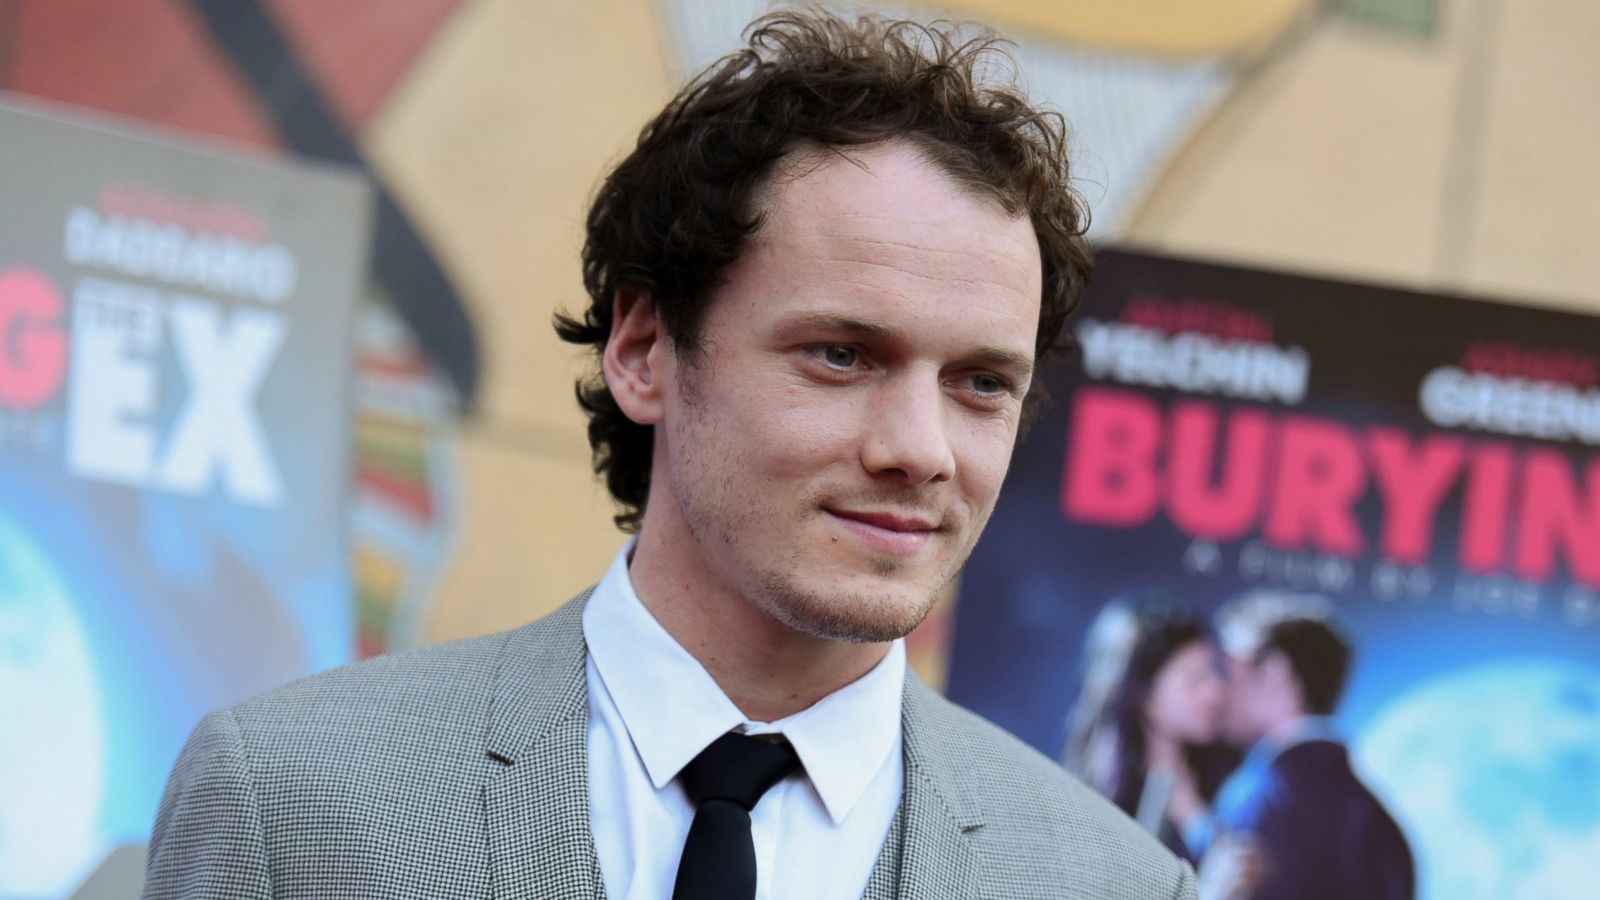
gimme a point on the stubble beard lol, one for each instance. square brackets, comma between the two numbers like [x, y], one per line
[857, 617]
[777, 586]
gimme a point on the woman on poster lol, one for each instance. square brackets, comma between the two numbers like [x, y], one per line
[1143, 728]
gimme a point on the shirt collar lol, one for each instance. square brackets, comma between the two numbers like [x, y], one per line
[842, 740]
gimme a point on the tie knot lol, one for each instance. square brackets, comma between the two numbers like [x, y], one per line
[739, 768]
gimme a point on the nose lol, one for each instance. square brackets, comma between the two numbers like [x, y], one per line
[907, 433]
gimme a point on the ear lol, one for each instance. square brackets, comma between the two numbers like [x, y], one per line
[634, 362]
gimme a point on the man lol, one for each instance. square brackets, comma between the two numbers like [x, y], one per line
[1294, 822]
[820, 285]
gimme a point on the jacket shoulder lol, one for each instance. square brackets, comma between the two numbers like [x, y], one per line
[1039, 818]
[435, 696]
[353, 779]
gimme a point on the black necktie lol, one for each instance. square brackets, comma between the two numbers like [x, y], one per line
[724, 783]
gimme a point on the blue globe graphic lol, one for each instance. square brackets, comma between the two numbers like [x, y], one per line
[1494, 773]
[52, 743]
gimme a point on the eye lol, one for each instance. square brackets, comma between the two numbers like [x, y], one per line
[988, 384]
[841, 357]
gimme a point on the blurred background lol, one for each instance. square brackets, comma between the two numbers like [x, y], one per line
[278, 386]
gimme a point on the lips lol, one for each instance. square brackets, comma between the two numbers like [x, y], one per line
[899, 534]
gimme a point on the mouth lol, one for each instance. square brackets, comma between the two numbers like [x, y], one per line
[896, 534]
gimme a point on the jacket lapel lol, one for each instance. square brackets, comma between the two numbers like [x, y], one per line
[929, 851]
[536, 799]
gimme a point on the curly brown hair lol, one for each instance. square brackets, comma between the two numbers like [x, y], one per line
[683, 205]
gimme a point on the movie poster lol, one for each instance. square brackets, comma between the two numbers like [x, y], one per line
[1421, 472]
[174, 408]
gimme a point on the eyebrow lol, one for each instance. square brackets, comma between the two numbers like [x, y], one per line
[840, 324]
[998, 357]
[1019, 363]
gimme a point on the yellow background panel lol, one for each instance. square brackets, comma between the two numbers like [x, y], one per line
[1178, 27]
[1536, 215]
[538, 532]
[496, 142]
[1457, 162]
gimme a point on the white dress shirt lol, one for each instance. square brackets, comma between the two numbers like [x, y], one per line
[653, 708]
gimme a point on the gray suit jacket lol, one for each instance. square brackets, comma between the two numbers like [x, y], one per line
[461, 771]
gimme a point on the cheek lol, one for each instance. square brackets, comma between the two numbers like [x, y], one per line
[784, 429]
[1166, 700]
[983, 455]
[1241, 699]
[1205, 702]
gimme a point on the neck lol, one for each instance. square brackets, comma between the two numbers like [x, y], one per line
[1281, 723]
[1288, 727]
[766, 668]
[1161, 752]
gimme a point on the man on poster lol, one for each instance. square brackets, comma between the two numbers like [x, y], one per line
[1294, 821]
[820, 287]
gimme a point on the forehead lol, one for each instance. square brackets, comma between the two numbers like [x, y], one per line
[1193, 653]
[883, 231]
[827, 201]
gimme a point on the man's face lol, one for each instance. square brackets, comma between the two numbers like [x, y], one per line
[1263, 694]
[837, 439]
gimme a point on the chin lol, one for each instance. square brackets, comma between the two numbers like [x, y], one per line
[869, 613]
